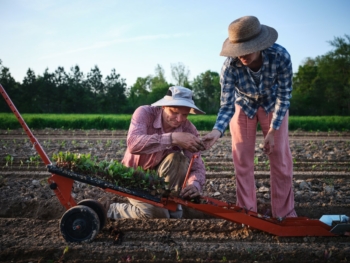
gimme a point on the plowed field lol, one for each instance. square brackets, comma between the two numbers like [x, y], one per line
[30, 212]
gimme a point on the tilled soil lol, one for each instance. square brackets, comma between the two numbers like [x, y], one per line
[30, 211]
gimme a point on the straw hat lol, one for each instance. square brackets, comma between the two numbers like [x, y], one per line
[179, 96]
[246, 35]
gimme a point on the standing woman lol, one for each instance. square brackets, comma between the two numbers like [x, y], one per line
[256, 86]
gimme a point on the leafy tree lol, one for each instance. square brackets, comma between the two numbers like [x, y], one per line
[95, 84]
[303, 100]
[159, 86]
[47, 92]
[322, 85]
[138, 93]
[10, 86]
[334, 69]
[206, 89]
[180, 74]
[62, 91]
[80, 95]
[159, 78]
[115, 96]
[28, 101]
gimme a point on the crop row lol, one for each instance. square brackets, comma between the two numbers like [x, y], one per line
[122, 122]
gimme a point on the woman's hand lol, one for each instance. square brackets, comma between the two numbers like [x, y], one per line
[269, 141]
[211, 138]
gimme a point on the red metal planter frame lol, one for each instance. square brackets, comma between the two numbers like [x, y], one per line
[299, 226]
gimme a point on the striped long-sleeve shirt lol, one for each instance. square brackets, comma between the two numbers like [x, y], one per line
[273, 92]
[148, 144]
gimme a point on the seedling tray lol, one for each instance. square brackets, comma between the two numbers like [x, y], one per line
[91, 180]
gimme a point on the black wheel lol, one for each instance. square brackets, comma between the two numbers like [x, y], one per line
[79, 224]
[98, 208]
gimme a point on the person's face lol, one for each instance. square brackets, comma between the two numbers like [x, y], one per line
[250, 59]
[174, 116]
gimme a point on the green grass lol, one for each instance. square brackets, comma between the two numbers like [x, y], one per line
[67, 121]
[122, 122]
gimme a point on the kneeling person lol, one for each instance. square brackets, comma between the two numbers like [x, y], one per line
[161, 138]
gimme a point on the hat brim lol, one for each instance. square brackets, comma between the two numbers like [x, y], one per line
[180, 103]
[265, 39]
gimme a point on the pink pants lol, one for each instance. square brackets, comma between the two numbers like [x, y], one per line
[243, 131]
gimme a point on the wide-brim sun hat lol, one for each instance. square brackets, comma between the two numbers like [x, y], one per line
[179, 96]
[246, 35]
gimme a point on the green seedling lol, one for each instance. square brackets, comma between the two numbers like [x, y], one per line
[108, 143]
[33, 160]
[37, 161]
[4, 143]
[112, 171]
[153, 257]
[122, 143]
[8, 159]
[178, 256]
[66, 249]
[63, 143]
[47, 143]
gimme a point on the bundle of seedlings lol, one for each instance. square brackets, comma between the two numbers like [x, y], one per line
[112, 171]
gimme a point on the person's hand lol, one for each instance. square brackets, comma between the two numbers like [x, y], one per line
[211, 138]
[190, 191]
[269, 141]
[187, 141]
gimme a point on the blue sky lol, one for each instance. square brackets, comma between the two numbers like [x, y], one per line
[133, 36]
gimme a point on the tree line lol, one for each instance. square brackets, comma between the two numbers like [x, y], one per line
[321, 86]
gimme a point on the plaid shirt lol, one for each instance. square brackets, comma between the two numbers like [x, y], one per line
[273, 93]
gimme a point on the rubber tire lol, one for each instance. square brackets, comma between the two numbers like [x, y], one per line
[98, 208]
[84, 217]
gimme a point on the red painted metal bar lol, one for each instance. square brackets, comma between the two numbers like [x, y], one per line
[34, 141]
[288, 227]
[189, 170]
[63, 185]
[294, 226]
